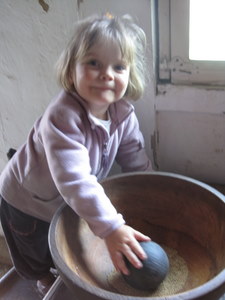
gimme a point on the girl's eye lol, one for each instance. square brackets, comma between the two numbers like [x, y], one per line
[120, 67]
[93, 63]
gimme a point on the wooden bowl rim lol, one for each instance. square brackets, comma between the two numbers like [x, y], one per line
[199, 291]
[173, 175]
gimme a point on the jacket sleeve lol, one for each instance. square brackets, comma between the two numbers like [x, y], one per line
[131, 154]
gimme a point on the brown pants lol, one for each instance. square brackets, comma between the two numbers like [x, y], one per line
[27, 239]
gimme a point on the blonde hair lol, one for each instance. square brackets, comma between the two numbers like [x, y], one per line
[130, 38]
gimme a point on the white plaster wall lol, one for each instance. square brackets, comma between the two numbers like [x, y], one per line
[31, 40]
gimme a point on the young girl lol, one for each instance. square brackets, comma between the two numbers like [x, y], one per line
[73, 146]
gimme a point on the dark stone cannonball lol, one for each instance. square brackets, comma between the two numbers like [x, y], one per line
[154, 270]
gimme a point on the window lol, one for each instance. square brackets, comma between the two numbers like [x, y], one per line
[191, 44]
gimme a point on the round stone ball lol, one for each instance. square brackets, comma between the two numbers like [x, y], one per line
[154, 270]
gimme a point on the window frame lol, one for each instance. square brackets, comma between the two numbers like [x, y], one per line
[174, 65]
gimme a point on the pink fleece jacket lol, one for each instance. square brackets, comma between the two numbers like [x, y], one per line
[63, 157]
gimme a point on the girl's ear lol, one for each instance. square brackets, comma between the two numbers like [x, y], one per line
[72, 78]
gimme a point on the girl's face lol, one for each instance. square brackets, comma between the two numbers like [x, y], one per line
[101, 77]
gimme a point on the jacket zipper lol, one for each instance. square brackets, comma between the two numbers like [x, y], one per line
[105, 156]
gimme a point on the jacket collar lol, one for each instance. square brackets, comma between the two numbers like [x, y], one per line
[119, 110]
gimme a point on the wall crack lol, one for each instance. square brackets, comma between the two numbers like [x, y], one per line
[44, 5]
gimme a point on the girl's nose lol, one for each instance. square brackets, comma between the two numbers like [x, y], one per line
[106, 74]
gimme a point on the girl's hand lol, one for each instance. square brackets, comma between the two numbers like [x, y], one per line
[124, 241]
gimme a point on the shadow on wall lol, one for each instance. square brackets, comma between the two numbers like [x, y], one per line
[10, 153]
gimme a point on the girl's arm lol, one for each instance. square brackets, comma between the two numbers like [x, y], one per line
[131, 157]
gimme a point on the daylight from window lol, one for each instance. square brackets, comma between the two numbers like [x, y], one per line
[206, 30]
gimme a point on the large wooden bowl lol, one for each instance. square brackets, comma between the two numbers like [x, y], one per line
[180, 213]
